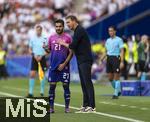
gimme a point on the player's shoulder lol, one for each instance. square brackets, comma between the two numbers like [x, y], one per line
[67, 35]
[52, 36]
[80, 28]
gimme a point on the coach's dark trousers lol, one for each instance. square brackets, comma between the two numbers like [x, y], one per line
[86, 84]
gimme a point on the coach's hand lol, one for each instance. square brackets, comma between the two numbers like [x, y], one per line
[61, 66]
[60, 42]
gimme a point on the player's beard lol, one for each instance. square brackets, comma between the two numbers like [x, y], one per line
[59, 31]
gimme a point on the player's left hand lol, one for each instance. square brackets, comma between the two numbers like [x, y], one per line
[61, 66]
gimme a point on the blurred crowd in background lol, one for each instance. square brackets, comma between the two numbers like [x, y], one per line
[18, 17]
[97, 9]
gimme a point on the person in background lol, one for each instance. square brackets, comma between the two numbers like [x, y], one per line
[136, 40]
[3, 71]
[125, 69]
[143, 50]
[38, 56]
[115, 60]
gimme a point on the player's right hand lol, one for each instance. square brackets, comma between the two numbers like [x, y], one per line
[61, 66]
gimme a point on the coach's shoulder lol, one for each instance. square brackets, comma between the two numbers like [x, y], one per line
[82, 28]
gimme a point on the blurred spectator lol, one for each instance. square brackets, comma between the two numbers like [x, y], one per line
[1, 40]
[112, 7]
[3, 71]
[143, 58]
[125, 69]
[136, 40]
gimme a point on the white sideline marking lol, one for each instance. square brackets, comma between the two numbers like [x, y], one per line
[133, 106]
[19, 89]
[144, 108]
[75, 108]
[123, 105]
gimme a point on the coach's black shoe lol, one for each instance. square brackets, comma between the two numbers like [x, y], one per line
[90, 110]
[29, 96]
[115, 97]
[81, 110]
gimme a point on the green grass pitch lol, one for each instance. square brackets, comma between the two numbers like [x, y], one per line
[125, 109]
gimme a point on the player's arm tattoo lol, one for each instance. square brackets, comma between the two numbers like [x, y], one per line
[69, 56]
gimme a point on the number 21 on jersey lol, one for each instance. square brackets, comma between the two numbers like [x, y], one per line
[57, 47]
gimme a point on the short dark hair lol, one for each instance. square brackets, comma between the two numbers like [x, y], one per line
[39, 26]
[72, 17]
[59, 21]
[113, 27]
